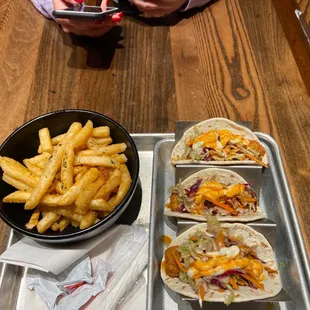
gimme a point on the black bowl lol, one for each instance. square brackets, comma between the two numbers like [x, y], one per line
[24, 142]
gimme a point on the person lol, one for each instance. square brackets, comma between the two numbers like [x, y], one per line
[151, 8]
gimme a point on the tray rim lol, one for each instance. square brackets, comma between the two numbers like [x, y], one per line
[14, 236]
[297, 233]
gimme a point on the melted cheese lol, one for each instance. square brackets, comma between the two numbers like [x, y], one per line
[208, 139]
[218, 139]
[256, 270]
[214, 190]
[225, 136]
[222, 265]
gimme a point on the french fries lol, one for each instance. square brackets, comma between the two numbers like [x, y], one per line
[104, 161]
[44, 157]
[45, 140]
[45, 223]
[70, 196]
[113, 182]
[101, 132]
[34, 220]
[66, 173]
[94, 144]
[85, 197]
[77, 178]
[34, 170]
[123, 187]
[17, 184]
[17, 171]
[47, 177]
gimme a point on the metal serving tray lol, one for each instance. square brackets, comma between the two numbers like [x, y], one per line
[275, 200]
[11, 276]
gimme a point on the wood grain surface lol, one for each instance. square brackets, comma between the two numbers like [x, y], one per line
[295, 35]
[231, 59]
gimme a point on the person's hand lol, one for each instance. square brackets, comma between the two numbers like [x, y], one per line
[158, 8]
[85, 28]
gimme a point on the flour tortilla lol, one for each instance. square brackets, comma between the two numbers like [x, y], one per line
[272, 284]
[177, 157]
[225, 177]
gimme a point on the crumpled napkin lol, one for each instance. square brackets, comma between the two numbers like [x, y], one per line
[52, 258]
[53, 288]
[75, 286]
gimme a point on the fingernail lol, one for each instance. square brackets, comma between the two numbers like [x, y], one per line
[107, 2]
[79, 1]
[120, 14]
[116, 18]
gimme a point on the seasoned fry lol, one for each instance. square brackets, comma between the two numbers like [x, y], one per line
[89, 153]
[34, 220]
[45, 223]
[88, 220]
[55, 140]
[42, 164]
[17, 171]
[58, 138]
[67, 167]
[121, 158]
[44, 157]
[55, 226]
[16, 183]
[50, 200]
[94, 144]
[21, 197]
[78, 169]
[113, 149]
[100, 205]
[103, 161]
[70, 196]
[68, 213]
[59, 187]
[64, 222]
[103, 141]
[105, 150]
[49, 172]
[45, 140]
[85, 197]
[123, 188]
[113, 182]
[46, 179]
[101, 132]
[76, 126]
[81, 138]
[81, 173]
[34, 170]
[52, 188]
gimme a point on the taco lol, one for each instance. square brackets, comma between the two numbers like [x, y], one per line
[219, 141]
[219, 192]
[221, 263]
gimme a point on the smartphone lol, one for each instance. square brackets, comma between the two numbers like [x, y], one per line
[85, 12]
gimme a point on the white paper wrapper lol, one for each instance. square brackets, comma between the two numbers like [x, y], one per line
[52, 258]
[122, 281]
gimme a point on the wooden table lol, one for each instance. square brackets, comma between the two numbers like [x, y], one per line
[230, 59]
